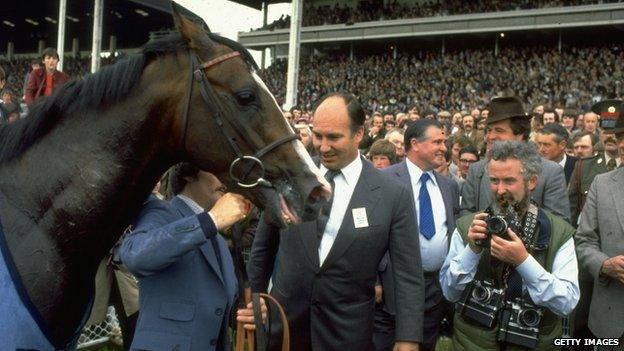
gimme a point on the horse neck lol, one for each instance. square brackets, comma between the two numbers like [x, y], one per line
[84, 181]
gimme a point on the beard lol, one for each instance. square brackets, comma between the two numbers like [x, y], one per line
[507, 206]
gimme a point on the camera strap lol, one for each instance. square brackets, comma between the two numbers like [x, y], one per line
[512, 279]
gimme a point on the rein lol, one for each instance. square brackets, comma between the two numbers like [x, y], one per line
[198, 71]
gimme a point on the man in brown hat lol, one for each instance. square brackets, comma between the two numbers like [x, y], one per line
[600, 237]
[508, 121]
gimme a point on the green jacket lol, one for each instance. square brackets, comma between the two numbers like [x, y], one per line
[470, 337]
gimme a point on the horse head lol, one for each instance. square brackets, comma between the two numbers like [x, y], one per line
[228, 123]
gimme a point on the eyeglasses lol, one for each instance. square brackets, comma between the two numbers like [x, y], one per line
[461, 160]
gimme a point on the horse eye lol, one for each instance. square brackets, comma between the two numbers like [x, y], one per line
[245, 97]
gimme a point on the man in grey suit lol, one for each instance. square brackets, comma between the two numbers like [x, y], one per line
[425, 146]
[327, 268]
[600, 248]
[508, 122]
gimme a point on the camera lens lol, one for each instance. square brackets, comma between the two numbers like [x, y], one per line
[496, 225]
[481, 294]
[529, 317]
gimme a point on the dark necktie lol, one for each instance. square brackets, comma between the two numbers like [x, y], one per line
[326, 209]
[425, 217]
[611, 164]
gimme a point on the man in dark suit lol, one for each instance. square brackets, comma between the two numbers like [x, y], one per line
[327, 268]
[187, 284]
[552, 141]
[430, 190]
[509, 122]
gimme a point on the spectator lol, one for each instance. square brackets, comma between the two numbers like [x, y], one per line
[43, 82]
[467, 156]
[395, 136]
[382, 154]
[584, 143]
[34, 65]
[568, 121]
[552, 141]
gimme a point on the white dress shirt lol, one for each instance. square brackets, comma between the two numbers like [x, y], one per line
[344, 184]
[558, 291]
[432, 251]
[563, 161]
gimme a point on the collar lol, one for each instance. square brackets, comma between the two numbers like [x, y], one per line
[563, 160]
[608, 158]
[350, 172]
[191, 203]
[415, 172]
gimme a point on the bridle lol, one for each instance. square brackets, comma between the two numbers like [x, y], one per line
[198, 71]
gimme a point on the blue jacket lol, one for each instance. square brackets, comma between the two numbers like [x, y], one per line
[185, 296]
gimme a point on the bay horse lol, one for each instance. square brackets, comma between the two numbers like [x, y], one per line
[76, 171]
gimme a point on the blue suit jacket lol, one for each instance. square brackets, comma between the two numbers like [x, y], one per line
[185, 295]
[450, 196]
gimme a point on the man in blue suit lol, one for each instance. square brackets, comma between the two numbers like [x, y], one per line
[187, 284]
[435, 204]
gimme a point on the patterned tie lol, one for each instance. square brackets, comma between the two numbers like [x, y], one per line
[326, 209]
[611, 164]
[425, 217]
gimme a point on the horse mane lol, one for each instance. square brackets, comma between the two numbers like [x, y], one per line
[107, 86]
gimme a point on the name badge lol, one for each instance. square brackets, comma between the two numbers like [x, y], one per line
[359, 217]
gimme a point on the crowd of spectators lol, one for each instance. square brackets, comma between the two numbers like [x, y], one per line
[577, 77]
[367, 11]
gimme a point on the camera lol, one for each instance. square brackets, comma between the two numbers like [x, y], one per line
[496, 225]
[480, 303]
[519, 324]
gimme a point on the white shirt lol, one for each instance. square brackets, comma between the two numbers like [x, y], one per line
[432, 251]
[344, 184]
[563, 160]
[558, 291]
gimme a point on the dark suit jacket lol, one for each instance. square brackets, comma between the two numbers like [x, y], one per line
[569, 167]
[185, 294]
[450, 195]
[331, 307]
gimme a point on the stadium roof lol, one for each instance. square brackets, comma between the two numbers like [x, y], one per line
[26, 22]
[164, 4]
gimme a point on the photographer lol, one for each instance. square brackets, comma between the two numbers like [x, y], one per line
[512, 270]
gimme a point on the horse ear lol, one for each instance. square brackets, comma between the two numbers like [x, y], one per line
[188, 24]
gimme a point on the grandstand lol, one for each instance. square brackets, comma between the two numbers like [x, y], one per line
[450, 54]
